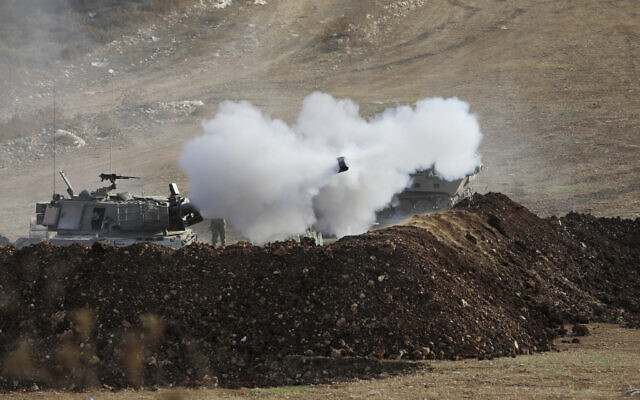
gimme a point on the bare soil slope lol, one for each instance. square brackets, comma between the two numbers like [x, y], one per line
[486, 279]
[554, 83]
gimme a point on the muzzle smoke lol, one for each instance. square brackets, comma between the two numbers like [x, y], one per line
[272, 180]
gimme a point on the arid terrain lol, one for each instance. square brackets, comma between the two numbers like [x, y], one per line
[554, 85]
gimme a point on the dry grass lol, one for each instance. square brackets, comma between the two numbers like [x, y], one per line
[30, 122]
[604, 365]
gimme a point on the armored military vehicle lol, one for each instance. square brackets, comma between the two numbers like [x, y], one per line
[118, 218]
[427, 193]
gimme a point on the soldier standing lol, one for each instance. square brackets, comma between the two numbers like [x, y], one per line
[218, 229]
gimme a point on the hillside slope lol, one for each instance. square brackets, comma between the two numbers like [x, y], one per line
[555, 86]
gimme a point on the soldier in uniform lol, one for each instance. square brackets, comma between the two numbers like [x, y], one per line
[218, 228]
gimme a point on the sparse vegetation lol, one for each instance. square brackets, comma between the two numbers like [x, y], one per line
[64, 27]
[106, 125]
[69, 53]
[30, 122]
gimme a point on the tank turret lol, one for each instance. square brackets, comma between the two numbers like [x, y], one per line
[120, 218]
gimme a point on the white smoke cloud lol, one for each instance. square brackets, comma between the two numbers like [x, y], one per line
[271, 180]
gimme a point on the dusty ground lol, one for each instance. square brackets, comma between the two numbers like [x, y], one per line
[554, 83]
[603, 365]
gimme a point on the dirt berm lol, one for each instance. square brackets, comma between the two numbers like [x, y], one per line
[485, 279]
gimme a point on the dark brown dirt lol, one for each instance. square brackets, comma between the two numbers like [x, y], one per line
[488, 279]
[612, 245]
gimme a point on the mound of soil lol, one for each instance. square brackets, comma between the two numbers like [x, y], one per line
[613, 247]
[486, 279]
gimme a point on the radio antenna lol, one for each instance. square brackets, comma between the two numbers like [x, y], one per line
[110, 151]
[54, 140]
[111, 131]
[113, 93]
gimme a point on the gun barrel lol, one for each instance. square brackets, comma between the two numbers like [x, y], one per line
[342, 165]
[66, 181]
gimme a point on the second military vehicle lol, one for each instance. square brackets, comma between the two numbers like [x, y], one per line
[427, 193]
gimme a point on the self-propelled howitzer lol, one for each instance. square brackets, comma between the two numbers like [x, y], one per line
[120, 219]
[427, 193]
